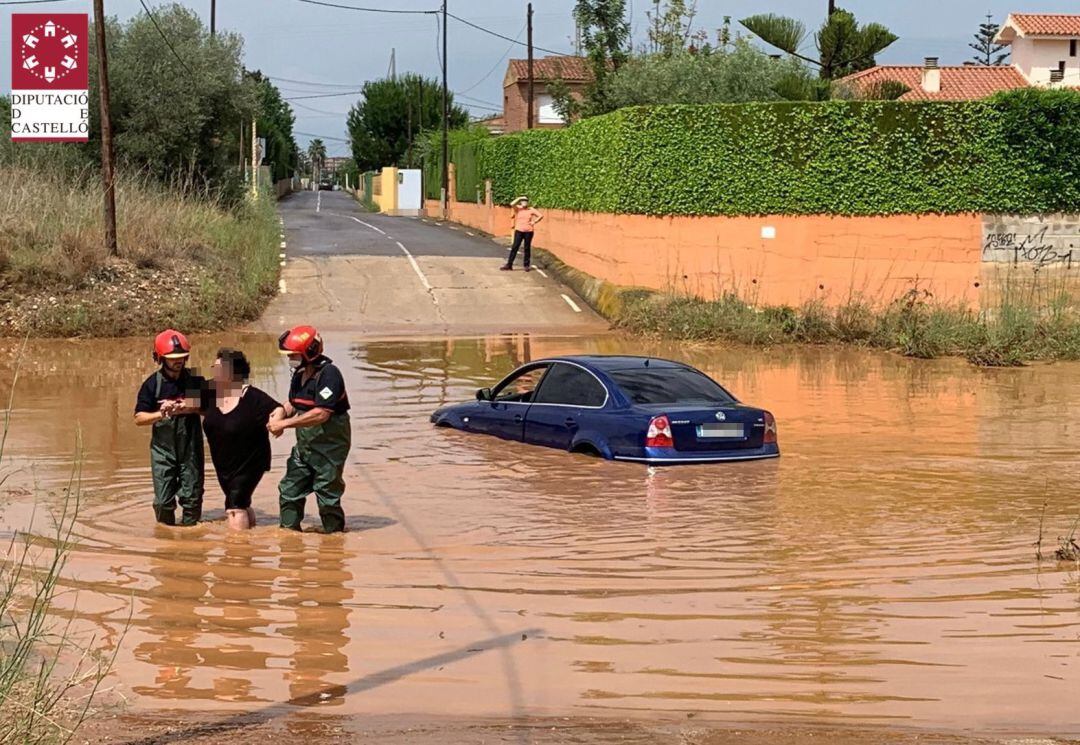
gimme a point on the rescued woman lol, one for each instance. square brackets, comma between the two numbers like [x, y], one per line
[235, 426]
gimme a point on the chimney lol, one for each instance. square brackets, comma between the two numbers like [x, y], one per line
[931, 76]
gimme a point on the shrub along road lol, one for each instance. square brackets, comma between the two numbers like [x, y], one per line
[386, 276]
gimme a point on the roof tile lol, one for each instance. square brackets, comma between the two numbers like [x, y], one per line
[958, 83]
[1047, 24]
[569, 68]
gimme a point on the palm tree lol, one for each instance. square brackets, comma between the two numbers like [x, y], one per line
[317, 155]
[843, 45]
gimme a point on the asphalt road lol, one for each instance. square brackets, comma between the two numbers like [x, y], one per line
[377, 275]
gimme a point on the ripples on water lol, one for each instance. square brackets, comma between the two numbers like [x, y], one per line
[880, 571]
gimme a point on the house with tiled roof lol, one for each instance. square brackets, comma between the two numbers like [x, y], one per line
[1044, 53]
[574, 71]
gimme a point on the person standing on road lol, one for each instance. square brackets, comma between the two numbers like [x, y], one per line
[236, 429]
[524, 220]
[170, 400]
[318, 409]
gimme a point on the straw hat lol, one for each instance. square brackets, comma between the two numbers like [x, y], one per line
[517, 201]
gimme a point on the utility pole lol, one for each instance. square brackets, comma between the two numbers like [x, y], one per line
[531, 115]
[832, 8]
[254, 160]
[107, 173]
[213, 17]
[445, 120]
[393, 63]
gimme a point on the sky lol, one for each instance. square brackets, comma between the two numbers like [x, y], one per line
[312, 50]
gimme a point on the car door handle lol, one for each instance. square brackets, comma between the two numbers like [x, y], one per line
[570, 421]
[517, 418]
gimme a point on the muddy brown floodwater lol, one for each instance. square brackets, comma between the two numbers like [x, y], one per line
[881, 573]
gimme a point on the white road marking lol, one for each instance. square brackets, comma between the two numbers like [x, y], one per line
[281, 286]
[281, 263]
[453, 227]
[542, 272]
[281, 256]
[318, 202]
[467, 232]
[415, 266]
[282, 245]
[368, 225]
[571, 303]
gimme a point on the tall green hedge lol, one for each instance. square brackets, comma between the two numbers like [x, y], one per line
[1016, 152]
[467, 180]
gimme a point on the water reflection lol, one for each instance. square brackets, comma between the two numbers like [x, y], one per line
[881, 570]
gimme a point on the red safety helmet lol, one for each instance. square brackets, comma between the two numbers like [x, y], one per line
[302, 340]
[171, 344]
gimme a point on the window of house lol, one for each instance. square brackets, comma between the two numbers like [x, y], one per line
[547, 114]
[1072, 47]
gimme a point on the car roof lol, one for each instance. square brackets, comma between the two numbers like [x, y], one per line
[616, 362]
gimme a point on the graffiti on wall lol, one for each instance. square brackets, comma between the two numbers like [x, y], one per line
[1036, 242]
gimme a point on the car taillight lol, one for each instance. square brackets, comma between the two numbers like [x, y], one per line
[659, 433]
[770, 429]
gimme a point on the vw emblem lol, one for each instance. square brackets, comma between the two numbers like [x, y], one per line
[720, 416]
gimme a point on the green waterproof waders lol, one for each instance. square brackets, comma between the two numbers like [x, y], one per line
[316, 465]
[176, 462]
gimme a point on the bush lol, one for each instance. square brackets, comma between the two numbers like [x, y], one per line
[836, 157]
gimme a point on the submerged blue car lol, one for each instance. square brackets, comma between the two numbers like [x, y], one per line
[639, 409]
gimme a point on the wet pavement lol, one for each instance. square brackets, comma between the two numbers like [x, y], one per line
[880, 574]
[353, 271]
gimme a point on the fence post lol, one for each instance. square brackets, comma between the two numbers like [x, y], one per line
[453, 182]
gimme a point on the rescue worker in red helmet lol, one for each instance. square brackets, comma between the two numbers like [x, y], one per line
[169, 401]
[317, 409]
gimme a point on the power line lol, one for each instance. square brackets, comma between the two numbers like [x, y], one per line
[305, 82]
[470, 98]
[495, 33]
[496, 65]
[31, 2]
[323, 95]
[370, 10]
[321, 137]
[321, 111]
[164, 37]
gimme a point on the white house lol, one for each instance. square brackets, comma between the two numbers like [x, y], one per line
[1044, 47]
[1044, 53]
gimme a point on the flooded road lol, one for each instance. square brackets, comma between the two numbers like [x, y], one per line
[880, 573]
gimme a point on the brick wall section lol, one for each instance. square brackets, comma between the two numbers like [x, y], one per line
[515, 105]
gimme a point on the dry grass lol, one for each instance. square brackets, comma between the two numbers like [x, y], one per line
[183, 257]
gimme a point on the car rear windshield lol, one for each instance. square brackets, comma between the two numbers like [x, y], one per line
[669, 385]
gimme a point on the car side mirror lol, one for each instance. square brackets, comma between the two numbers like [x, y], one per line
[484, 394]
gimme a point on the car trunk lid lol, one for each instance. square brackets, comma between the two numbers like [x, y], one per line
[705, 428]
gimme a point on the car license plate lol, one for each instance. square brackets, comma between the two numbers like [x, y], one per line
[716, 431]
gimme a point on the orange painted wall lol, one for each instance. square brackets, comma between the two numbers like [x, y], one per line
[831, 258]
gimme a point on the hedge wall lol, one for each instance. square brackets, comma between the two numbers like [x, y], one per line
[1017, 152]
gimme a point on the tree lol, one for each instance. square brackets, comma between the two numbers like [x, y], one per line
[986, 51]
[176, 113]
[275, 123]
[843, 45]
[316, 151]
[740, 74]
[605, 34]
[390, 116]
[671, 28]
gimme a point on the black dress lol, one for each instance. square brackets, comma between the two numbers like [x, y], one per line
[240, 445]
